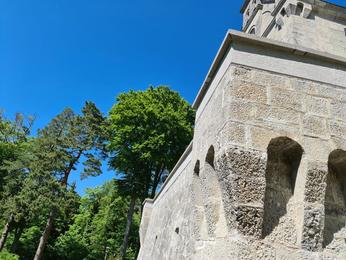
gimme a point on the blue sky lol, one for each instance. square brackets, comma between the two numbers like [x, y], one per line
[60, 53]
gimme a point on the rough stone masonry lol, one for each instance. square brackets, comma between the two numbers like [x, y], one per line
[265, 174]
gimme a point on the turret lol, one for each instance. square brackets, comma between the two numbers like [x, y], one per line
[314, 24]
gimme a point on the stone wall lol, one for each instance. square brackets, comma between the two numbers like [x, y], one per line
[166, 226]
[317, 31]
[314, 24]
[284, 156]
[265, 178]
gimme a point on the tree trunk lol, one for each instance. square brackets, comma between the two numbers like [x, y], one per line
[44, 237]
[70, 167]
[17, 234]
[128, 226]
[6, 231]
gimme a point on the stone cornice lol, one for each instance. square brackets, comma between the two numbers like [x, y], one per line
[236, 36]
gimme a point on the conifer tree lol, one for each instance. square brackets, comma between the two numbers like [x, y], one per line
[62, 145]
[13, 144]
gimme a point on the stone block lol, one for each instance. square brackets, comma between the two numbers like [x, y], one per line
[248, 220]
[264, 251]
[316, 182]
[337, 128]
[286, 98]
[277, 114]
[303, 86]
[246, 163]
[241, 111]
[330, 92]
[232, 133]
[260, 137]
[338, 110]
[317, 105]
[249, 91]
[269, 79]
[312, 236]
[315, 126]
[243, 190]
[316, 148]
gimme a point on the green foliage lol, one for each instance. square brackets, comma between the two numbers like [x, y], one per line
[99, 225]
[28, 242]
[146, 132]
[4, 255]
[68, 138]
[13, 140]
[35, 182]
[149, 131]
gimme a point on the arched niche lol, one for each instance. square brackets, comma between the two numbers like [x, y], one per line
[210, 157]
[198, 202]
[216, 221]
[335, 198]
[284, 156]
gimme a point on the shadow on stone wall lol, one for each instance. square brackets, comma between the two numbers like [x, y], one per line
[212, 192]
[335, 207]
[199, 221]
[284, 156]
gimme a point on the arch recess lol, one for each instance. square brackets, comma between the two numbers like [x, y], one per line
[335, 198]
[284, 156]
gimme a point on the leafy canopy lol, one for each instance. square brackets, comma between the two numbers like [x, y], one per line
[149, 131]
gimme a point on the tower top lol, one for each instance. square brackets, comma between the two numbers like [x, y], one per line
[316, 24]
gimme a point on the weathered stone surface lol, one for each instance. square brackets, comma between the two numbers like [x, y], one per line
[258, 200]
[337, 128]
[248, 220]
[245, 190]
[317, 148]
[261, 136]
[318, 105]
[338, 110]
[313, 229]
[316, 182]
[277, 114]
[315, 126]
[286, 98]
[241, 111]
[246, 163]
[249, 91]
[232, 133]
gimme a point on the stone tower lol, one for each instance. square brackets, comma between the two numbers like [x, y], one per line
[310, 23]
[265, 174]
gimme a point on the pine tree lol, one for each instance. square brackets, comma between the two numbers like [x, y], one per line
[67, 140]
[14, 143]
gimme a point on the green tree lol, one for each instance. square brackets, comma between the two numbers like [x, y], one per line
[97, 229]
[14, 142]
[149, 131]
[29, 192]
[67, 140]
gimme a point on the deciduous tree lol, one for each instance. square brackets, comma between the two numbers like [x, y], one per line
[149, 131]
